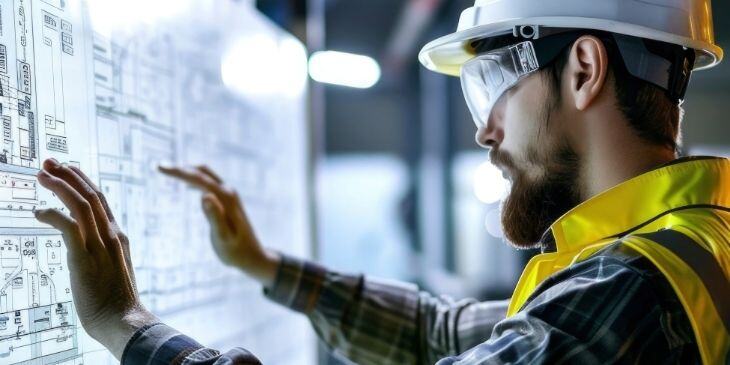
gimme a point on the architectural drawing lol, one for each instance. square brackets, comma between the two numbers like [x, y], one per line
[118, 105]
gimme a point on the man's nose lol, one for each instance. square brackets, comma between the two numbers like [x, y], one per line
[490, 134]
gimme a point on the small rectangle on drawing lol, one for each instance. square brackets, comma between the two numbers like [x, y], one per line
[60, 128]
[3, 59]
[50, 21]
[9, 262]
[56, 143]
[9, 255]
[4, 85]
[66, 26]
[67, 39]
[68, 49]
[24, 77]
[24, 189]
[47, 42]
[24, 138]
[50, 122]
[32, 133]
[23, 184]
[7, 125]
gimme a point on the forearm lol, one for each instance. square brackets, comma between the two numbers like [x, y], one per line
[373, 321]
[344, 312]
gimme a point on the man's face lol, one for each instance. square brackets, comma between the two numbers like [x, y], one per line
[528, 143]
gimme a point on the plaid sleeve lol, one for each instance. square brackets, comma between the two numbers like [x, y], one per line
[375, 321]
[159, 344]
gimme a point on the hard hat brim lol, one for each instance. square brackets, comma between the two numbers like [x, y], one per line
[446, 54]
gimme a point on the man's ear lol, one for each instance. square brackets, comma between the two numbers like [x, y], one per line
[587, 70]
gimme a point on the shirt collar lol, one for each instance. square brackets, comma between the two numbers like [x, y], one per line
[684, 182]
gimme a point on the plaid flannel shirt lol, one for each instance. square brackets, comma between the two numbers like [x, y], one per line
[614, 307]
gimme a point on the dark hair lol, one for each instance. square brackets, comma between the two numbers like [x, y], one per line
[649, 110]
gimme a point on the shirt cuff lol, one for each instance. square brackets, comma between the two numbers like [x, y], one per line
[298, 284]
[158, 344]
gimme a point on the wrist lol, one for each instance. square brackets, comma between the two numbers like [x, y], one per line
[264, 267]
[116, 330]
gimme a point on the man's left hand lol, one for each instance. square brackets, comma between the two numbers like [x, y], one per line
[102, 278]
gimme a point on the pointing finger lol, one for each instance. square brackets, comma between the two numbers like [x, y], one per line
[78, 206]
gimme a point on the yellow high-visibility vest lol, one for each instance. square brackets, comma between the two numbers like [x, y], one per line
[678, 217]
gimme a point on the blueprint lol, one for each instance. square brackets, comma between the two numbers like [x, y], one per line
[117, 103]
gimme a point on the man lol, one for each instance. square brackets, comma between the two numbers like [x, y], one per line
[579, 104]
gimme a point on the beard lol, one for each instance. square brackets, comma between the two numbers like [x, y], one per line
[536, 200]
[534, 203]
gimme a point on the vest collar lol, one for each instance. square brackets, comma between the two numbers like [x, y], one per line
[682, 183]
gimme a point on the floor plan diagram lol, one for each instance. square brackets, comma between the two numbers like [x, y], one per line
[117, 105]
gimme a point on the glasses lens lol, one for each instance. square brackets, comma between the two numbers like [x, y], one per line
[492, 73]
[480, 78]
[485, 78]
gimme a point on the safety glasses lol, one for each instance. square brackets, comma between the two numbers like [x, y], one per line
[486, 77]
[494, 70]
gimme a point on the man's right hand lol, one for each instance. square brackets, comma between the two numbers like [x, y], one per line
[233, 238]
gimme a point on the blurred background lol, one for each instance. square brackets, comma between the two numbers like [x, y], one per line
[401, 188]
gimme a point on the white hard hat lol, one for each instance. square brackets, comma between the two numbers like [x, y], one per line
[683, 22]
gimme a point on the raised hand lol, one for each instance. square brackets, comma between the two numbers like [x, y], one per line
[102, 278]
[232, 236]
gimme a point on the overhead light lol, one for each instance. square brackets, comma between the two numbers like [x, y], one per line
[346, 69]
[262, 65]
[489, 185]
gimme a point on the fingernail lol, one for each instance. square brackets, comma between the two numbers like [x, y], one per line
[53, 162]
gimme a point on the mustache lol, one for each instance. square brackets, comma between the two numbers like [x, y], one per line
[502, 159]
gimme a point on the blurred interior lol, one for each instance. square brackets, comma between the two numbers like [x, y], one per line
[402, 190]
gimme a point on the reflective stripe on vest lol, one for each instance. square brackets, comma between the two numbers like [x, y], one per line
[703, 263]
[699, 282]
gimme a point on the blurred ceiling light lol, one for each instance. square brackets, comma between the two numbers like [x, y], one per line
[344, 69]
[489, 185]
[259, 65]
[493, 223]
[293, 67]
